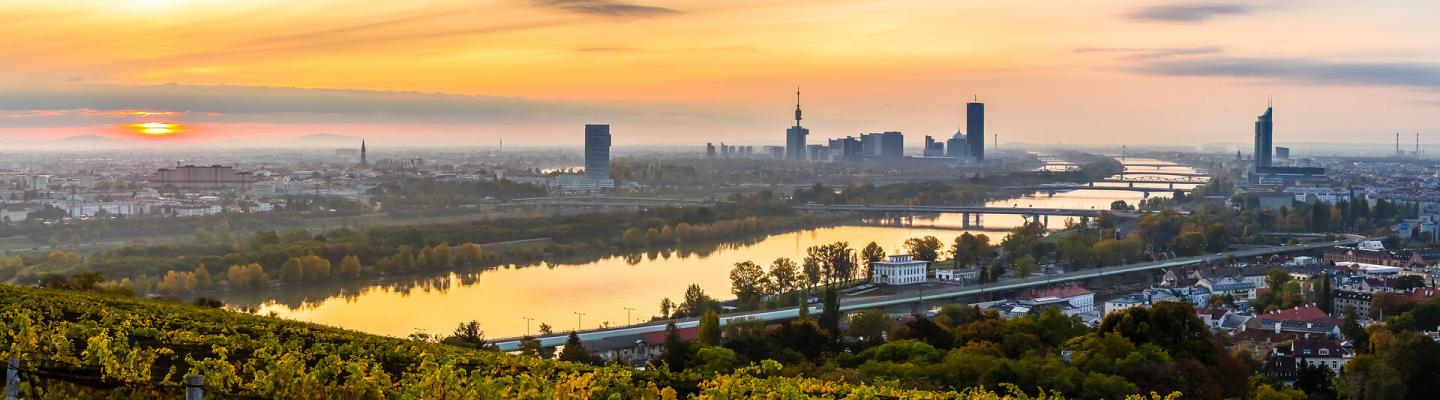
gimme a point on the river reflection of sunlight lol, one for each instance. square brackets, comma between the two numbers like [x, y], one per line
[502, 298]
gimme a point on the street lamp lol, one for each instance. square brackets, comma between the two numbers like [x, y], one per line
[527, 325]
[628, 321]
[578, 315]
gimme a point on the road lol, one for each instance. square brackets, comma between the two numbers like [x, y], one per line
[1068, 212]
[862, 303]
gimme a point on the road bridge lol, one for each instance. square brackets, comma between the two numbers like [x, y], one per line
[1165, 173]
[1155, 165]
[1156, 180]
[1053, 189]
[879, 301]
[584, 201]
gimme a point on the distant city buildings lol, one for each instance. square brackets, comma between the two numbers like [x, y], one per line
[213, 177]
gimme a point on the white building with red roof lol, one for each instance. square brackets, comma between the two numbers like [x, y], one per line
[1078, 296]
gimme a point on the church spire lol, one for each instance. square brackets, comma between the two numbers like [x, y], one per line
[363, 159]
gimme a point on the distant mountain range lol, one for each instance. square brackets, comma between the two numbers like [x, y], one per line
[84, 139]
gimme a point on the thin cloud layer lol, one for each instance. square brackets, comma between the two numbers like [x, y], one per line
[1141, 53]
[1189, 13]
[1302, 71]
[607, 8]
[82, 104]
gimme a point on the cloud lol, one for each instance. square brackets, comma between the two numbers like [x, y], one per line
[607, 8]
[1142, 53]
[73, 105]
[1188, 12]
[1303, 71]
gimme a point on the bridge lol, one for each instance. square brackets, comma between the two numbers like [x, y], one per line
[851, 304]
[1156, 165]
[1156, 180]
[1165, 173]
[1052, 189]
[631, 202]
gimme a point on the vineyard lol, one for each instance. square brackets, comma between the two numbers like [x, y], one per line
[86, 345]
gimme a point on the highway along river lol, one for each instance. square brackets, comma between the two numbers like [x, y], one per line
[513, 301]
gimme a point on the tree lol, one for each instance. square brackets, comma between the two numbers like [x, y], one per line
[575, 351]
[869, 327]
[203, 281]
[1172, 325]
[709, 330]
[467, 334]
[830, 313]
[1407, 282]
[871, 254]
[350, 267]
[696, 303]
[666, 307]
[714, 359]
[748, 282]
[1026, 265]
[925, 248]
[1352, 330]
[784, 276]
[677, 352]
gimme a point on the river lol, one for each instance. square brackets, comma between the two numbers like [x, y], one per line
[513, 301]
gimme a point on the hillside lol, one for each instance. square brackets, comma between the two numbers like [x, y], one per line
[97, 345]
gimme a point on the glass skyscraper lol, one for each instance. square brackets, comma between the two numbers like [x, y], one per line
[975, 127]
[597, 151]
[1264, 131]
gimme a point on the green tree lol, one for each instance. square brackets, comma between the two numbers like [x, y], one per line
[709, 330]
[869, 327]
[748, 282]
[1026, 265]
[714, 359]
[923, 248]
[467, 334]
[871, 254]
[677, 352]
[350, 267]
[575, 351]
[830, 313]
[784, 276]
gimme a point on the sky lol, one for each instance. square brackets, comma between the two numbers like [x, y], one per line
[532, 72]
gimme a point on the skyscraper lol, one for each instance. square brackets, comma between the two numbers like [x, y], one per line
[956, 146]
[975, 125]
[795, 136]
[1264, 130]
[597, 151]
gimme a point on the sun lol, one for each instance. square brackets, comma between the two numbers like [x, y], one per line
[156, 128]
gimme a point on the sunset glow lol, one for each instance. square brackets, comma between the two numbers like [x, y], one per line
[473, 73]
[156, 128]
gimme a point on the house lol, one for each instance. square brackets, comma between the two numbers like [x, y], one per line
[1348, 298]
[1235, 287]
[966, 275]
[899, 270]
[1080, 298]
[1194, 295]
[1323, 352]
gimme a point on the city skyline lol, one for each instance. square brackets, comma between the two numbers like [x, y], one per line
[444, 72]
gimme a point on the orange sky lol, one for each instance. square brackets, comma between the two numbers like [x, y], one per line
[687, 72]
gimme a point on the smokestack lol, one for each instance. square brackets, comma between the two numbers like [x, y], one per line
[1397, 144]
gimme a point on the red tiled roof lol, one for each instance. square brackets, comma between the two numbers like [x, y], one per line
[1308, 313]
[657, 338]
[1064, 292]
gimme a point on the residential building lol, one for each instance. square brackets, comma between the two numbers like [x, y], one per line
[899, 270]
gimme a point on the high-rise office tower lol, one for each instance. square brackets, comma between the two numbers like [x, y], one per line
[956, 147]
[795, 136]
[1264, 130]
[709, 150]
[975, 124]
[597, 151]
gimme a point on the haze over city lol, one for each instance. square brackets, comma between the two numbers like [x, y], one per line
[427, 73]
[654, 199]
